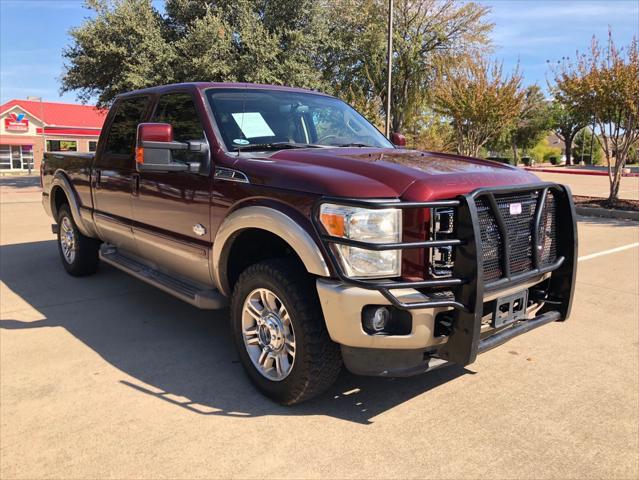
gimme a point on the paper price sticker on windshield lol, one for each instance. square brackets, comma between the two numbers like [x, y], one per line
[253, 125]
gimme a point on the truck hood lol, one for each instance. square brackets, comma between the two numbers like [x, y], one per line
[378, 173]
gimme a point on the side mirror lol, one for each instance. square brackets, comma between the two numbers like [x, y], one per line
[398, 139]
[154, 149]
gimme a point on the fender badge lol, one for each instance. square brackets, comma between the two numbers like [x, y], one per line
[199, 229]
[515, 208]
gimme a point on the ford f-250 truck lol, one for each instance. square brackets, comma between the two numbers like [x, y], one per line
[334, 245]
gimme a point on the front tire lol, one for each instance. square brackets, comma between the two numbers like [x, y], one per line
[79, 254]
[280, 334]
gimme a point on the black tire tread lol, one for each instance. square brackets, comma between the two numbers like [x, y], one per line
[86, 258]
[323, 362]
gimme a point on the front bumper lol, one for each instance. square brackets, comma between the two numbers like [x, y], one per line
[404, 355]
[342, 301]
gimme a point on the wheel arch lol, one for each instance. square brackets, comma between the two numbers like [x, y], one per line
[268, 223]
[61, 192]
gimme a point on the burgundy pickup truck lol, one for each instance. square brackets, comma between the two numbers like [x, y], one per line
[331, 244]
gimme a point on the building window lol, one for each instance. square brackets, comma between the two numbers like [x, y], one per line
[27, 157]
[62, 146]
[16, 157]
[5, 157]
[93, 146]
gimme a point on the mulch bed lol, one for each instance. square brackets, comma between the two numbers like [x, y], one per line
[596, 202]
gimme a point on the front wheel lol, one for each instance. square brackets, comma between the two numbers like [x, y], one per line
[280, 332]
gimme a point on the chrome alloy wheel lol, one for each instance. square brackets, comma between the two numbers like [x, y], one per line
[268, 334]
[67, 240]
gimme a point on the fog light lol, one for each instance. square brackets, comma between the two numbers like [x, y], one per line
[386, 320]
[378, 321]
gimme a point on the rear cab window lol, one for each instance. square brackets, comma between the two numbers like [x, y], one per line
[178, 110]
[120, 144]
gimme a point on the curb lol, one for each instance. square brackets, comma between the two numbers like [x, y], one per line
[576, 172]
[607, 213]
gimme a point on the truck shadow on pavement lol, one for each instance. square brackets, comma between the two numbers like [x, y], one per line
[169, 350]
[22, 181]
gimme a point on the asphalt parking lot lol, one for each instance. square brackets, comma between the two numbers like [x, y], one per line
[106, 377]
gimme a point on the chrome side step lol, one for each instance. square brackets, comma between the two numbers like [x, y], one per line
[206, 299]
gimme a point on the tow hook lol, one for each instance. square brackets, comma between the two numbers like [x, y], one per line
[538, 296]
[443, 324]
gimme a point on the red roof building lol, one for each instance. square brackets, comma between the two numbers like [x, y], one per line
[30, 127]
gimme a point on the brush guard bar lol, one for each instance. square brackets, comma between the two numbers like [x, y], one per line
[466, 282]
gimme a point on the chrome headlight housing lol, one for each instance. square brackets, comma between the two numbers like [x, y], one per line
[365, 225]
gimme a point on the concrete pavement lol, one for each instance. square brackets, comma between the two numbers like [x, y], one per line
[106, 377]
[593, 185]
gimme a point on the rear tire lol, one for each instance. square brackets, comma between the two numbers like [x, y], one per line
[280, 333]
[79, 254]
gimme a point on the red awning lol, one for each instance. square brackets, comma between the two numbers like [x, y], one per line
[72, 132]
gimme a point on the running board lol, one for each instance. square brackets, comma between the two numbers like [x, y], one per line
[188, 292]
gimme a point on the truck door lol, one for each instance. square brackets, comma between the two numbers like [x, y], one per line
[114, 174]
[171, 209]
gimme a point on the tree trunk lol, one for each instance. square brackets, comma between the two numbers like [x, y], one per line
[568, 148]
[396, 123]
[515, 154]
[615, 179]
[614, 187]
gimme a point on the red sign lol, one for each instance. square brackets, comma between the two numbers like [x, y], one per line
[16, 122]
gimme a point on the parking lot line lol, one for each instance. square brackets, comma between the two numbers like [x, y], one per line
[608, 252]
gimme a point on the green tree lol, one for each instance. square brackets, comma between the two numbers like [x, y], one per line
[582, 143]
[123, 48]
[605, 82]
[431, 132]
[482, 103]
[128, 45]
[532, 124]
[566, 120]
[427, 34]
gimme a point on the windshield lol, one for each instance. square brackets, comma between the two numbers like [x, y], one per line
[254, 119]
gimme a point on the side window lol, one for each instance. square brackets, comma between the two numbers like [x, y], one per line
[123, 130]
[178, 110]
[333, 126]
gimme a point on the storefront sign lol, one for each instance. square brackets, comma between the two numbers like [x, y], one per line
[16, 122]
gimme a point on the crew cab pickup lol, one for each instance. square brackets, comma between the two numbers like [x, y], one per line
[331, 244]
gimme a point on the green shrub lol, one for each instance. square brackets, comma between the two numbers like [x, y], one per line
[581, 148]
[543, 151]
[586, 159]
[507, 160]
[633, 154]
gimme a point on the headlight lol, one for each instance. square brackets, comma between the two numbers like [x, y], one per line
[365, 225]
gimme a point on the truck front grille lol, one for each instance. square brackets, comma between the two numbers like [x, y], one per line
[518, 213]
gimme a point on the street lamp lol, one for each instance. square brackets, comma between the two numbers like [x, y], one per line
[389, 68]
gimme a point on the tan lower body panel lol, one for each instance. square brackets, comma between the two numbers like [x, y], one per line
[342, 307]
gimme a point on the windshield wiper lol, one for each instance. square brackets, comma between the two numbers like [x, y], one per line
[273, 146]
[354, 145]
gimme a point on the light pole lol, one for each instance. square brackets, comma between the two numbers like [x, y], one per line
[389, 67]
[592, 140]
